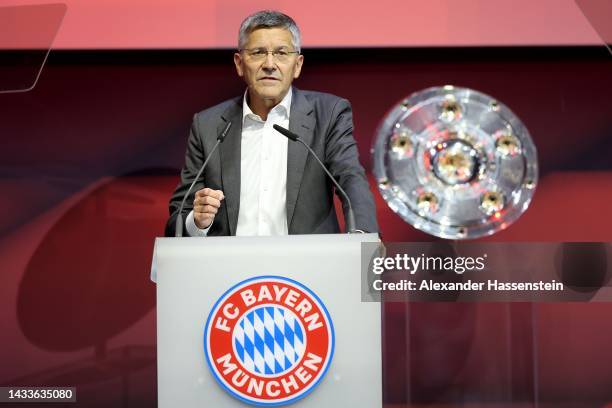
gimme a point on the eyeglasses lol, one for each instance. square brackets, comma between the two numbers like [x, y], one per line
[260, 54]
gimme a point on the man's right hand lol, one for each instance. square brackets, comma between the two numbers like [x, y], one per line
[205, 205]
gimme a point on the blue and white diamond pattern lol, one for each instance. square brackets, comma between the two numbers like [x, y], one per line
[269, 340]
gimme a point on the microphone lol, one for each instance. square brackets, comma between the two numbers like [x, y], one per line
[178, 229]
[350, 217]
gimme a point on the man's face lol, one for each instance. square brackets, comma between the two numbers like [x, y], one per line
[268, 78]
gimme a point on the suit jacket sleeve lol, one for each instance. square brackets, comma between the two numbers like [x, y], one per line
[194, 158]
[342, 159]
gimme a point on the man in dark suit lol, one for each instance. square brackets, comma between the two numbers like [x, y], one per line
[260, 183]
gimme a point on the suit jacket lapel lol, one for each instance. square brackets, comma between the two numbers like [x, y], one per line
[229, 152]
[302, 123]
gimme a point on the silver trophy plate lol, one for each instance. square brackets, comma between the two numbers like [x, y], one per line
[455, 163]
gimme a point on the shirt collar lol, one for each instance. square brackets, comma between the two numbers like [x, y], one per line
[284, 104]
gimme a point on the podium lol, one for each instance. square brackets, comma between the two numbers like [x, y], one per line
[205, 287]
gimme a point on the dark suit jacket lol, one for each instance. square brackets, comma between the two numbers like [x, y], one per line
[325, 123]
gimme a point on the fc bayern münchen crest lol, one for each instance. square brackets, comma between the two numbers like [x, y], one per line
[269, 340]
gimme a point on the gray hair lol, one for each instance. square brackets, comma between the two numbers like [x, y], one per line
[269, 19]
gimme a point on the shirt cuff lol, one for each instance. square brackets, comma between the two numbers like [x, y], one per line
[193, 230]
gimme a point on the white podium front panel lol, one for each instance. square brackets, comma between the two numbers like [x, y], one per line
[193, 273]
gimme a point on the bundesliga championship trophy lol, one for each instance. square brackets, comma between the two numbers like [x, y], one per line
[455, 163]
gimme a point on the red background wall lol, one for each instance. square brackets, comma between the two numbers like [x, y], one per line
[163, 24]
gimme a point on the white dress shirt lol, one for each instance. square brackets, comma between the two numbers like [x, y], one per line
[263, 174]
